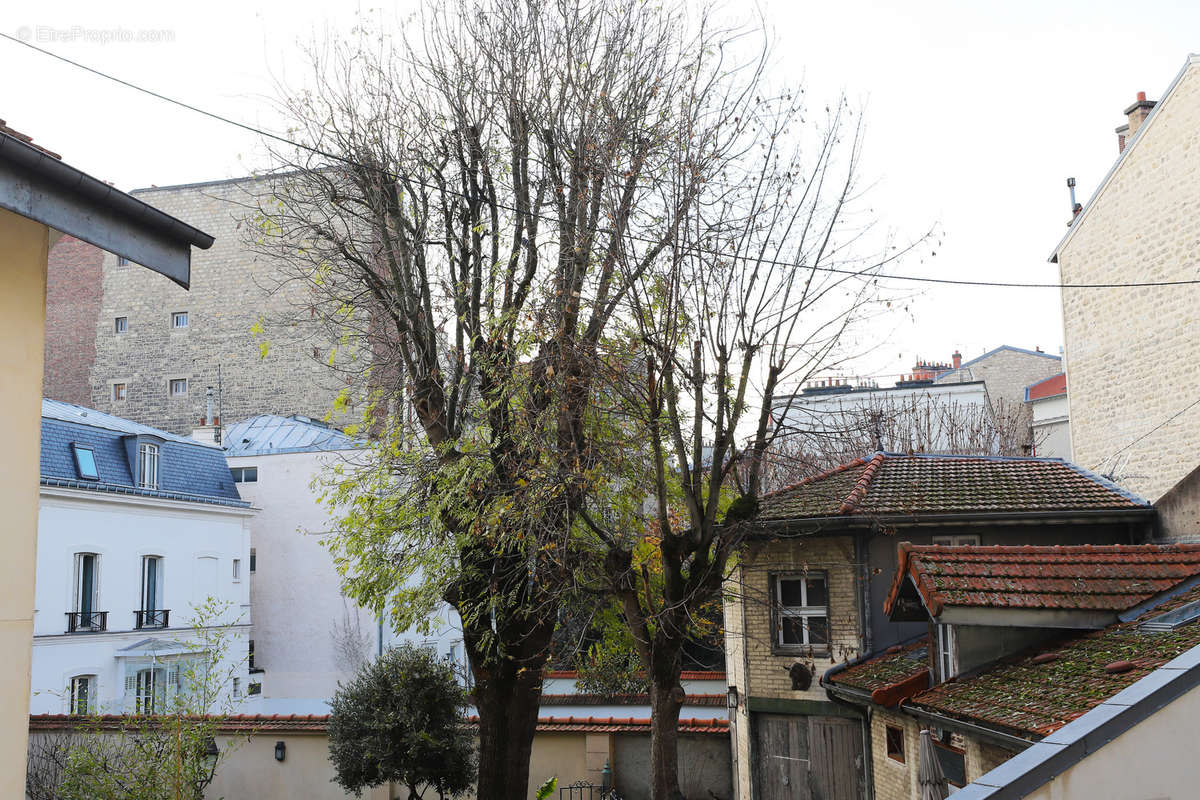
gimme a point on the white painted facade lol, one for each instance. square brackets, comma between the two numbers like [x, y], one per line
[305, 627]
[197, 544]
[1052, 427]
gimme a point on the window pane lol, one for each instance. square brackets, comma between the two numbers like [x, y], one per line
[818, 630]
[791, 591]
[85, 461]
[793, 630]
[817, 593]
[250, 475]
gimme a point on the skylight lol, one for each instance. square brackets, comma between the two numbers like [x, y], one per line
[1172, 619]
[85, 462]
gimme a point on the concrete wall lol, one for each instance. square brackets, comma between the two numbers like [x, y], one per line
[1179, 510]
[304, 625]
[1154, 759]
[705, 770]
[1141, 226]
[232, 292]
[24, 245]
[122, 529]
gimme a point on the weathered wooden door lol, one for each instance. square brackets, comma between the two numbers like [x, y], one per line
[807, 758]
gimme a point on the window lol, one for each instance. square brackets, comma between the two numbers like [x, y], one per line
[121, 324]
[152, 614]
[250, 656]
[118, 393]
[957, 541]
[237, 569]
[895, 743]
[150, 689]
[85, 462]
[178, 387]
[244, 475]
[947, 658]
[253, 560]
[802, 611]
[952, 760]
[147, 466]
[237, 687]
[179, 319]
[82, 691]
[86, 583]
[122, 261]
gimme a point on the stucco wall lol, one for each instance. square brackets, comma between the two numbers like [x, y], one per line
[1051, 427]
[23, 248]
[1141, 227]
[1154, 759]
[705, 770]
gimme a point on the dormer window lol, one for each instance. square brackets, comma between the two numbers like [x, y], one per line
[147, 466]
[85, 462]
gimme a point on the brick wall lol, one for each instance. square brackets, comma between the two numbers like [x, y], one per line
[231, 292]
[1133, 355]
[72, 309]
[894, 780]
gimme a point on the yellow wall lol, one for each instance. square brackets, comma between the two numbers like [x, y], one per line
[23, 249]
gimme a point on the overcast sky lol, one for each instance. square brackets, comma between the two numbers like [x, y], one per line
[976, 115]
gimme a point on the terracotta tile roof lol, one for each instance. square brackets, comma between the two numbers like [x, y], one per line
[1039, 691]
[621, 725]
[7, 131]
[686, 675]
[240, 723]
[626, 699]
[889, 484]
[1101, 577]
[896, 665]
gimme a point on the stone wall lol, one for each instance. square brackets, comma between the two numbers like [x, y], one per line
[1132, 354]
[72, 310]
[280, 370]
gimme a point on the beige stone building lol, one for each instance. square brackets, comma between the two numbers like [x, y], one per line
[151, 350]
[1140, 425]
[806, 596]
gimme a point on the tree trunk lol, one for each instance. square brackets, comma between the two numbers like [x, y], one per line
[666, 699]
[508, 702]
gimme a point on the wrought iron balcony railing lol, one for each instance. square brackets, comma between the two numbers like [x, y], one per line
[87, 621]
[152, 618]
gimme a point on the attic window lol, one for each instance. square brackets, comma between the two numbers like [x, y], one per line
[85, 462]
[1170, 620]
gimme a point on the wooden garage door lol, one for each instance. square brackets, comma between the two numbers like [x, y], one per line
[807, 758]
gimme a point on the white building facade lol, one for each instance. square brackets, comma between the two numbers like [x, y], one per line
[308, 635]
[142, 537]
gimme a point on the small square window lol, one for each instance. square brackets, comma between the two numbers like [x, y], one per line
[121, 324]
[895, 743]
[85, 462]
[179, 387]
[244, 474]
[801, 612]
[237, 687]
[118, 394]
[122, 261]
[179, 319]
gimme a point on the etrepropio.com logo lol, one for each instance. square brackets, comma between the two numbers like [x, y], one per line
[79, 34]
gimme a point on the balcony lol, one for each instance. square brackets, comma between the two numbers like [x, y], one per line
[87, 621]
[152, 618]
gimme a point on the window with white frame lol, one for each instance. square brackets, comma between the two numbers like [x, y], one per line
[178, 387]
[118, 393]
[120, 324]
[83, 693]
[147, 466]
[152, 593]
[87, 588]
[947, 653]
[802, 611]
[151, 686]
[179, 319]
[237, 569]
[244, 474]
[963, 540]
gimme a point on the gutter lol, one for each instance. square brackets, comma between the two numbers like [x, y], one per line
[914, 520]
[984, 732]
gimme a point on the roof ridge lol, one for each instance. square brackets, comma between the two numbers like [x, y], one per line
[862, 485]
[820, 476]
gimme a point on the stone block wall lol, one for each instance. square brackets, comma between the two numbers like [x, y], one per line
[280, 370]
[1133, 355]
[72, 309]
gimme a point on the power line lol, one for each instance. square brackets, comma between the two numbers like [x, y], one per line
[690, 248]
[1157, 427]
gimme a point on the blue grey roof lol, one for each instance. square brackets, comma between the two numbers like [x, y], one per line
[187, 469]
[995, 350]
[268, 434]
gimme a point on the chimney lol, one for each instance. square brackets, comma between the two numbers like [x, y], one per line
[1137, 114]
[209, 431]
[957, 359]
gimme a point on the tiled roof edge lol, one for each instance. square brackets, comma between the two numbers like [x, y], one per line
[1110, 485]
[862, 485]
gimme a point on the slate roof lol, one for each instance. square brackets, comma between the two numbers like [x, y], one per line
[269, 434]
[1078, 577]
[187, 470]
[1044, 688]
[919, 485]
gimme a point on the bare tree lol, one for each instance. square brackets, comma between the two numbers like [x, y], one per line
[351, 644]
[776, 266]
[471, 208]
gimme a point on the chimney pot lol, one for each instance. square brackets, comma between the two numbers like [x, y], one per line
[957, 359]
[1141, 96]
